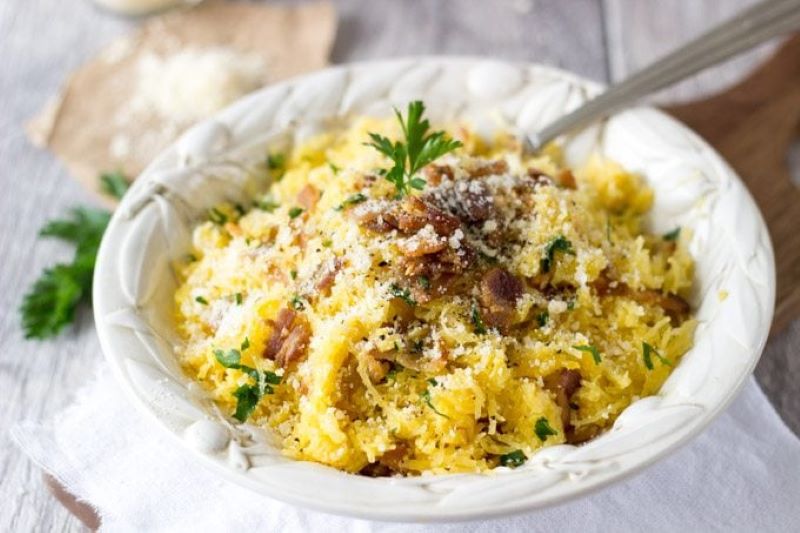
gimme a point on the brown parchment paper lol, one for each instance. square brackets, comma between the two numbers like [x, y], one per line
[78, 125]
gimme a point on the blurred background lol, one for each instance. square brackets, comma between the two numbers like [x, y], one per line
[43, 41]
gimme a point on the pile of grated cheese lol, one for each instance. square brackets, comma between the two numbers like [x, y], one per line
[391, 383]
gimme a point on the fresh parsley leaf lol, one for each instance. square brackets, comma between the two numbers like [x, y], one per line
[217, 217]
[426, 397]
[247, 398]
[293, 274]
[229, 359]
[558, 244]
[402, 293]
[647, 354]
[238, 298]
[571, 305]
[297, 303]
[418, 150]
[543, 430]
[334, 168]
[592, 350]
[513, 459]
[201, 300]
[276, 161]
[672, 235]
[50, 304]
[542, 318]
[245, 344]
[295, 212]
[477, 321]
[115, 184]
[353, 199]
[424, 282]
[327, 243]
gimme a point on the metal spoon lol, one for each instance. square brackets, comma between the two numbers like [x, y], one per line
[749, 28]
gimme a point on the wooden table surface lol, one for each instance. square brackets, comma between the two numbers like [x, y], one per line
[42, 40]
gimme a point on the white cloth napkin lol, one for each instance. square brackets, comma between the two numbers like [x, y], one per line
[741, 474]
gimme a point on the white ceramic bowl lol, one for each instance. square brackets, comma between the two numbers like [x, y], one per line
[694, 188]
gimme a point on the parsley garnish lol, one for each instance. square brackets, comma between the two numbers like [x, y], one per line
[248, 395]
[477, 321]
[543, 430]
[276, 161]
[50, 303]
[424, 282]
[647, 353]
[114, 184]
[513, 459]
[217, 217]
[426, 397]
[267, 203]
[238, 298]
[592, 350]
[201, 300]
[558, 244]
[295, 212]
[297, 303]
[672, 235]
[293, 274]
[402, 293]
[353, 199]
[245, 343]
[334, 168]
[542, 318]
[418, 150]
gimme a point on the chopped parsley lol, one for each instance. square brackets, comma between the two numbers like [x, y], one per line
[276, 161]
[295, 212]
[571, 305]
[293, 274]
[403, 293]
[245, 344]
[592, 350]
[353, 199]
[543, 430]
[543, 318]
[672, 235]
[334, 168]
[114, 184]
[201, 300]
[238, 298]
[217, 217]
[558, 244]
[647, 354]
[424, 282]
[419, 149]
[248, 395]
[477, 321]
[267, 203]
[426, 397]
[513, 459]
[327, 243]
[297, 303]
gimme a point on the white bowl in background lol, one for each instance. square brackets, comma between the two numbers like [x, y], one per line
[134, 280]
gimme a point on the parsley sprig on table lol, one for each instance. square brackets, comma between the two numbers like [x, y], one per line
[419, 149]
[51, 302]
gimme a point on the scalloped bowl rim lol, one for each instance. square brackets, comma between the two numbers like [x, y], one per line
[758, 268]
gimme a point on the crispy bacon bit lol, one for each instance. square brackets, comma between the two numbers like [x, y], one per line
[539, 177]
[434, 174]
[326, 274]
[423, 243]
[416, 214]
[566, 179]
[564, 384]
[375, 215]
[675, 307]
[434, 266]
[391, 462]
[308, 197]
[500, 291]
[488, 168]
[289, 340]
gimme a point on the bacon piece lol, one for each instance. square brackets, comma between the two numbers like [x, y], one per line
[539, 177]
[434, 173]
[421, 244]
[500, 291]
[308, 197]
[326, 275]
[433, 266]
[289, 340]
[675, 307]
[391, 462]
[376, 215]
[564, 384]
[488, 168]
[566, 179]
[416, 214]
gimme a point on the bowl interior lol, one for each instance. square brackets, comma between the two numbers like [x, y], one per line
[219, 160]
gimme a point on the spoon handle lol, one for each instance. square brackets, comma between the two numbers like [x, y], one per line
[751, 27]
